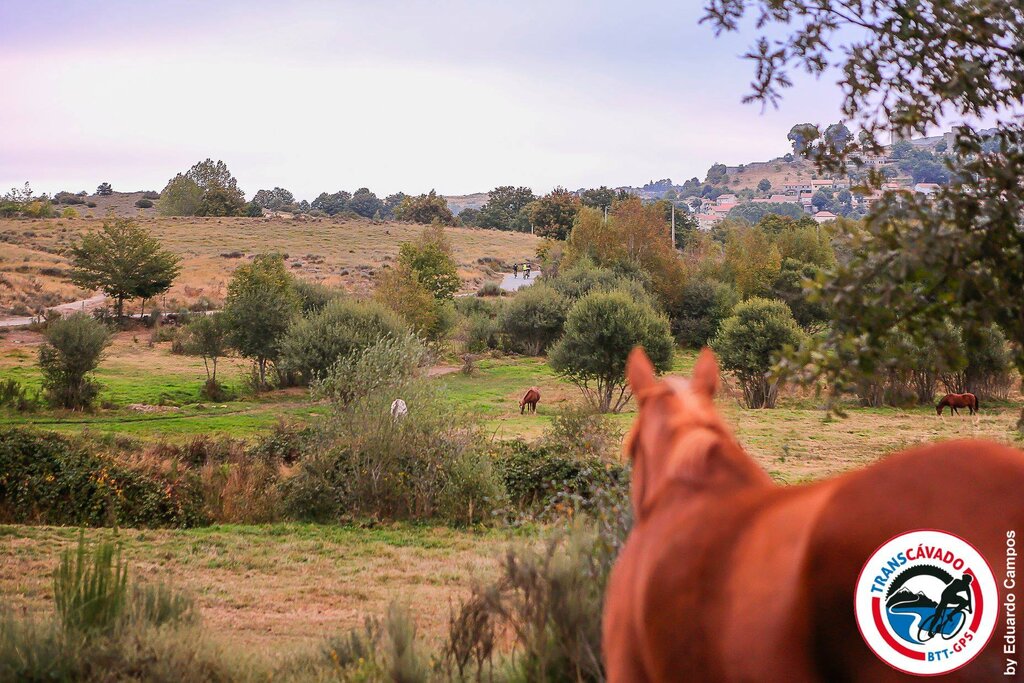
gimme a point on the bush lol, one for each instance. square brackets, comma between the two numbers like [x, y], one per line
[17, 397]
[699, 310]
[90, 595]
[479, 333]
[747, 343]
[49, 479]
[533, 320]
[490, 288]
[431, 464]
[547, 480]
[600, 331]
[314, 296]
[73, 348]
[144, 204]
[388, 363]
[312, 345]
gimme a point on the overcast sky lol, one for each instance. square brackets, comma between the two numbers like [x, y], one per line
[388, 94]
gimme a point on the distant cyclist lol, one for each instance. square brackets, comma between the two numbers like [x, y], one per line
[515, 270]
[526, 271]
[951, 600]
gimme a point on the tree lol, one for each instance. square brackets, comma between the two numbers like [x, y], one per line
[469, 216]
[400, 290]
[74, 347]
[717, 175]
[430, 259]
[822, 200]
[753, 213]
[907, 68]
[599, 198]
[425, 208]
[553, 214]
[273, 200]
[207, 337]
[700, 309]
[261, 305]
[764, 185]
[220, 201]
[206, 189]
[180, 197]
[331, 204]
[534, 319]
[124, 261]
[901, 149]
[504, 207]
[753, 261]
[600, 331]
[365, 203]
[392, 202]
[748, 343]
[104, 190]
[253, 210]
[312, 345]
[801, 135]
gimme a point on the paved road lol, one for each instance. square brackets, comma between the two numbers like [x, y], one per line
[510, 283]
[64, 309]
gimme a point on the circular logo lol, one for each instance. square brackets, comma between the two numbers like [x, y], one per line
[926, 602]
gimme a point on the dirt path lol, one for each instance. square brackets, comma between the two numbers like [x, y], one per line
[511, 283]
[64, 309]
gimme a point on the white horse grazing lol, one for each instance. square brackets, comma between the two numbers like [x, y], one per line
[399, 409]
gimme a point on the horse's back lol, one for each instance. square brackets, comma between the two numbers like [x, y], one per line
[760, 585]
[971, 489]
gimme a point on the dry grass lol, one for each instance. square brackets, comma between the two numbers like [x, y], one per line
[339, 252]
[777, 172]
[274, 587]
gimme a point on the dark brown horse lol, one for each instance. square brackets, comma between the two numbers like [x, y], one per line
[530, 400]
[726, 576]
[954, 401]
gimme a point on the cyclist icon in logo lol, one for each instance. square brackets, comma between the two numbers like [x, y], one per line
[913, 611]
[957, 611]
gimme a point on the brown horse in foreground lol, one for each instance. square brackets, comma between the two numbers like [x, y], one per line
[530, 400]
[954, 401]
[727, 577]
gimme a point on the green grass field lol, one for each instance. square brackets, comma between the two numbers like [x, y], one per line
[288, 585]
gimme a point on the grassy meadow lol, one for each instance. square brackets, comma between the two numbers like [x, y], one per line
[340, 252]
[283, 585]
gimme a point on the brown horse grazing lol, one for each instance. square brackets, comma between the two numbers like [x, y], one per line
[954, 401]
[530, 400]
[726, 576]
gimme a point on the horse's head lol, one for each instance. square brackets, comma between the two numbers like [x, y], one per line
[678, 436]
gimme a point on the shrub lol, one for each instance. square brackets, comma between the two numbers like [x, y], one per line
[490, 288]
[431, 464]
[479, 333]
[69, 213]
[600, 331]
[533, 320]
[747, 343]
[144, 204]
[545, 479]
[314, 296]
[151, 195]
[699, 310]
[312, 345]
[73, 348]
[387, 363]
[584, 432]
[50, 479]
[13, 395]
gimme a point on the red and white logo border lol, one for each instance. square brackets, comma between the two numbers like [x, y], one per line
[882, 642]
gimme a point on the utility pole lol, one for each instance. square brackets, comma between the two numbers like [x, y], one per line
[606, 214]
[673, 226]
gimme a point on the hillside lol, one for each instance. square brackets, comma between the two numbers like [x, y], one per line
[466, 201]
[343, 252]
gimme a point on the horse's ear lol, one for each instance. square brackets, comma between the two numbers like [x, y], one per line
[639, 371]
[705, 373]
